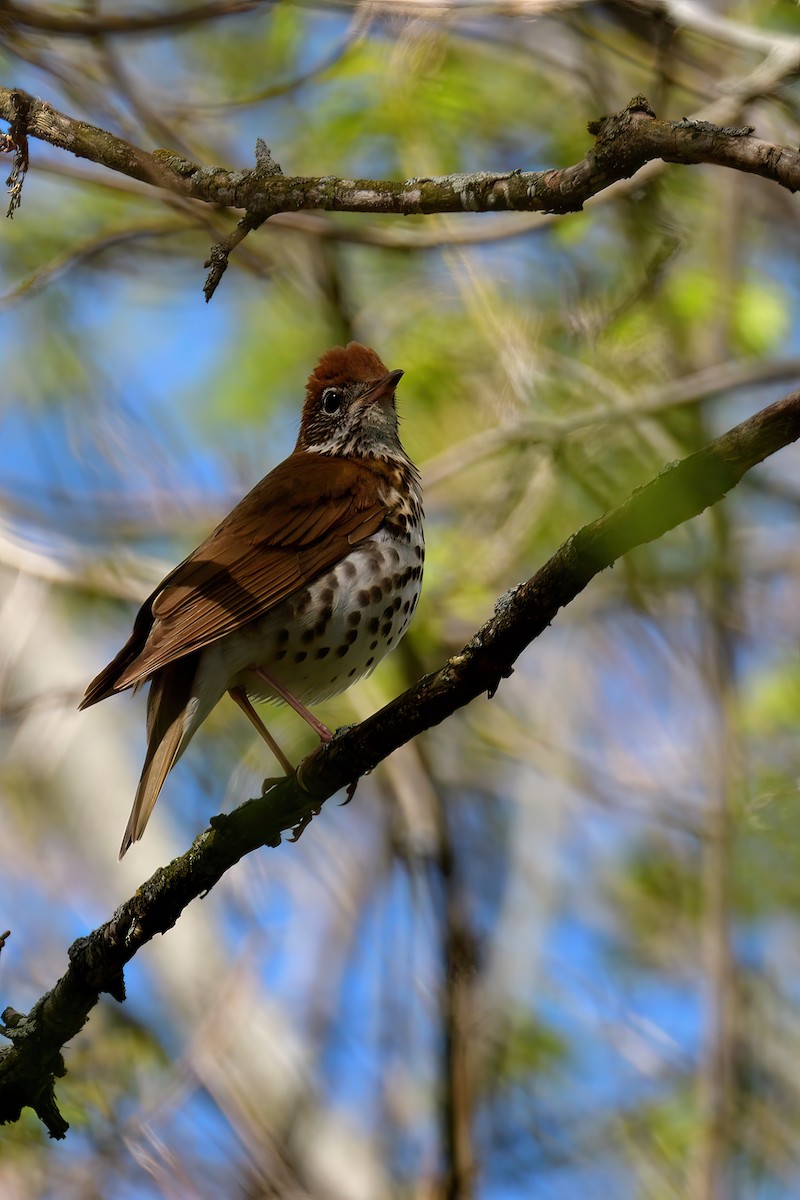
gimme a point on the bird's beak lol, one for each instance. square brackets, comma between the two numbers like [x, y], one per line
[384, 388]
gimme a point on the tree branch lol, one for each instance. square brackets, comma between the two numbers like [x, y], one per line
[78, 24]
[29, 1067]
[623, 143]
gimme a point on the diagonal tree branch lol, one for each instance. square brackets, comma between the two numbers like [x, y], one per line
[623, 143]
[29, 1067]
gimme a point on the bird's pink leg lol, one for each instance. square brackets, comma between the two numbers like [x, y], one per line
[323, 733]
[242, 699]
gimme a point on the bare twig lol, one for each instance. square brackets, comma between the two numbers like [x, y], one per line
[29, 1067]
[220, 253]
[623, 144]
[77, 24]
[83, 252]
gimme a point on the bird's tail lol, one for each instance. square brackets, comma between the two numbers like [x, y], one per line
[168, 733]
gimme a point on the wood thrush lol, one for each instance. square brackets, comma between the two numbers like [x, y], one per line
[300, 591]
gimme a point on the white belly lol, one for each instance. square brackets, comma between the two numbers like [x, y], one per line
[327, 636]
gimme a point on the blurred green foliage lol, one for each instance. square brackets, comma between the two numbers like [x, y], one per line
[618, 830]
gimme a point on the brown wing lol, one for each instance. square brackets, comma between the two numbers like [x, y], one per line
[298, 522]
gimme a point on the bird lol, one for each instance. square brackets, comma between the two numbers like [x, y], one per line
[299, 592]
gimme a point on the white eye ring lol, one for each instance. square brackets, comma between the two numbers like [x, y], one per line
[331, 400]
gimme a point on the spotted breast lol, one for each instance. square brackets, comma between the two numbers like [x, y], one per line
[335, 630]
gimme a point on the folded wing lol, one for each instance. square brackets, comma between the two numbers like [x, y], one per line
[297, 523]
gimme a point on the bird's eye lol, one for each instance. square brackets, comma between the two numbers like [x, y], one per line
[331, 400]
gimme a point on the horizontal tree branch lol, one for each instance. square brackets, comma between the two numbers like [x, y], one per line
[680, 14]
[87, 24]
[623, 144]
[29, 1067]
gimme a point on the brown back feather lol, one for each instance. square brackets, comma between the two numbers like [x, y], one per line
[297, 523]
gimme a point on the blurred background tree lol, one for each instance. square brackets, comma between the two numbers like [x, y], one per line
[551, 948]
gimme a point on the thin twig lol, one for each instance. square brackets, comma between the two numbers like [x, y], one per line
[77, 24]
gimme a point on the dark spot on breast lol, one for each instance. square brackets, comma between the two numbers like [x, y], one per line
[386, 628]
[386, 585]
[406, 606]
[414, 603]
[280, 654]
[355, 617]
[373, 625]
[349, 569]
[326, 595]
[351, 636]
[370, 661]
[301, 656]
[323, 652]
[283, 637]
[389, 642]
[342, 650]
[322, 619]
[373, 645]
[397, 602]
[308, 636]
[350, 674]
[375, 594]
[363, 598]
[388, 611]
[420, 553]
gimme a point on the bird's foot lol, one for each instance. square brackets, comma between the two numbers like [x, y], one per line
[351, 791]
[303, 824]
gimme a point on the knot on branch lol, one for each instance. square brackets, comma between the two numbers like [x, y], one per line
[265, 163]
[616, 151]
[605, 126]
[174, 163]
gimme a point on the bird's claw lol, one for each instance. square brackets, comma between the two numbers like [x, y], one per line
[351, 791]
[302, 824]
